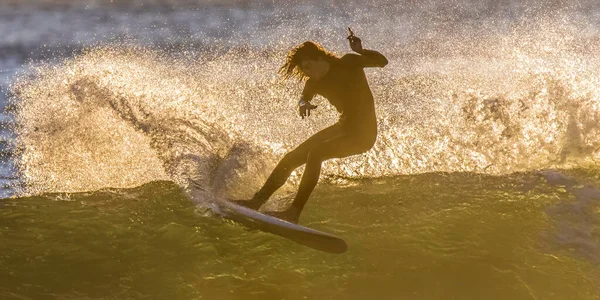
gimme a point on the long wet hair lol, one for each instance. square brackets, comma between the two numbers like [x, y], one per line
[307, 50]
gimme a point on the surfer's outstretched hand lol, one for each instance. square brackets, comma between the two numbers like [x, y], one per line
[304, 108]
[355, 42]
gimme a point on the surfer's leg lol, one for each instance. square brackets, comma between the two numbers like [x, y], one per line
[339, 147]
[288, 164]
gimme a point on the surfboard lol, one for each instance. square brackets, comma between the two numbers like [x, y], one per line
[306, 236]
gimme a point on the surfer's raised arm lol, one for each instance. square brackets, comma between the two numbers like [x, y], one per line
[368, 58]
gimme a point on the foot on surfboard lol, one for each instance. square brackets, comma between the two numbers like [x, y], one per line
[290, 215]
[247, 203]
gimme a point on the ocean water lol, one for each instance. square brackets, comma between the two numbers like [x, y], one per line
[122, 122]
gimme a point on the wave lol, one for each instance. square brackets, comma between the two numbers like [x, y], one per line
[559, 207]
[121, 115]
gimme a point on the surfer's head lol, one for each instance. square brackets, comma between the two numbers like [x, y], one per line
[309, 60]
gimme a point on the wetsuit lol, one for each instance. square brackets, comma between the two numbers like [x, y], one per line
[345, 86]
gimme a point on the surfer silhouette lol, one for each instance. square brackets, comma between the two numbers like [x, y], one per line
[343, 83]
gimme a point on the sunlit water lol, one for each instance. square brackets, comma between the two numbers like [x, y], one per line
[434, 236]
[482, 184]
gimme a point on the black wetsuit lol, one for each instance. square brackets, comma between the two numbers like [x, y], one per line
[345, 86]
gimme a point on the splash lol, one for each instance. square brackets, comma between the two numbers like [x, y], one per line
[119, 116]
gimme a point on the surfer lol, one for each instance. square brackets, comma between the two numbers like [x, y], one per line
[343, 83]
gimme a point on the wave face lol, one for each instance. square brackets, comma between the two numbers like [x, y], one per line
[502, 98]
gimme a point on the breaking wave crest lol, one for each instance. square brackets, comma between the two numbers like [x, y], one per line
[119, 116]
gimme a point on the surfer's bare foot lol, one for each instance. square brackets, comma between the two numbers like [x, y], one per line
[251, 204]
[291, 215]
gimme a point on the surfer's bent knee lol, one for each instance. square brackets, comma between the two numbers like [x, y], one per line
[292, 159]
[314, 156]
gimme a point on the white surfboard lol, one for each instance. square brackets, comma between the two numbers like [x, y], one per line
[303, 235]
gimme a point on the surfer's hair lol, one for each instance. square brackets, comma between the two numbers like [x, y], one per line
[307, 50]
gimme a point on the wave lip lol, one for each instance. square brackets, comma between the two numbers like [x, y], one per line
[122, 115]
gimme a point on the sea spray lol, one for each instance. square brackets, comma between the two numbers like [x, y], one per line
[122, 115]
